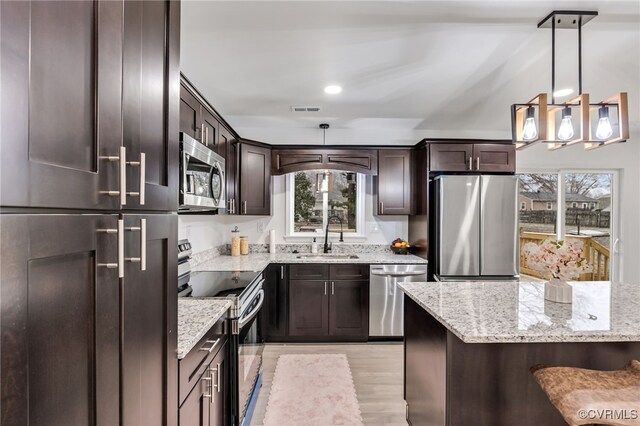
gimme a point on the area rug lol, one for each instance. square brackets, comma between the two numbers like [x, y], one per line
[312, 389]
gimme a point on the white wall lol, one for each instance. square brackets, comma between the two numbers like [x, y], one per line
[206, 232]
[623, 157]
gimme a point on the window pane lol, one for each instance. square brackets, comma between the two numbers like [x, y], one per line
[588, 219]
[307, 203]
[319, 194]
[538, 202]
[538, 212]
[342, 201]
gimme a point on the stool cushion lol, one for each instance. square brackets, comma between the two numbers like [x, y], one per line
[574, 390]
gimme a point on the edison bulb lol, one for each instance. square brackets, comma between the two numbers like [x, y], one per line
[529, 130]
[565, 132]
[604, 130]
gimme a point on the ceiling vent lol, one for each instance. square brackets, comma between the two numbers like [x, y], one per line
[305, 109]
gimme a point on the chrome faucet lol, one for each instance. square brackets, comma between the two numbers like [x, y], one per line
[327, 246]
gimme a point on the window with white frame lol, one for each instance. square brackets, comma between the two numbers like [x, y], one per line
[315, 196]
[589, 221]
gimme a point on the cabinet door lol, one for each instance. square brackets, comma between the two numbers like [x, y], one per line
[149, 315]
[494, 157]
[59, 320]
[451, 157]
[210, 128]
[225, 137]
[196, 409]
[308, 308]
[275, 305]
[60, 103]
[394, 181]
[219, 373]
[150, 104]
[232, 164]
[349, 308]
[190, 118]
[255, 180]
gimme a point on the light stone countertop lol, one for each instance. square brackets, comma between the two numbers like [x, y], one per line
[516, 312]
[259, 261]
[196, 316]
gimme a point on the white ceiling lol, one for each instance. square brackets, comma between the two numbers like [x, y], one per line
[409, 69]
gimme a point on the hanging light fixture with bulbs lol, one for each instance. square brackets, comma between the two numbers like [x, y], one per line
[535, 121]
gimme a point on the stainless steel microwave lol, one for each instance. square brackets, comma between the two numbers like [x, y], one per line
[202, 176]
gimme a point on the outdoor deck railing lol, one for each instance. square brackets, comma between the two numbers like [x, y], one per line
[597, 255]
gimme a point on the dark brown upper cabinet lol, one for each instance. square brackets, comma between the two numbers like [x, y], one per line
[472, 157]
[190, 114]
[61, 110]
[451, 157]
[150, 103]
[255, 180]
[393, 183]
[494, 157]
[210, 128]
[294, 160]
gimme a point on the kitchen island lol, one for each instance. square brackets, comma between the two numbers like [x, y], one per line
[469, 346]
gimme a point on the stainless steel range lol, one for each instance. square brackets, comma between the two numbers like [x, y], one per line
[245, 291]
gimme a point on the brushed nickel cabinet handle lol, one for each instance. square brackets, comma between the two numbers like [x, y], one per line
[122, 159]
[244, 207]
[333, 288]
[120, 263]
[381, 207]
[213, 345]
[218, 375]
[470, 163]
[143, 244]
[325, 288]
[202, 133]
[478, 163]
[282, 272]
[209, 392]
[142, 164]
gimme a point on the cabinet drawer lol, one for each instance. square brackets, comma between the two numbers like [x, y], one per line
[309, 272]
[193, 365]
[349, 272]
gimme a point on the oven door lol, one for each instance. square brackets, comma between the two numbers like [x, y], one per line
[250, 347]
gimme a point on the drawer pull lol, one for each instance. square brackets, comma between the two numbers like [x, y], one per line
[213, 345]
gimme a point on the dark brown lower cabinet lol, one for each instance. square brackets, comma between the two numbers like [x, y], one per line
[308, 308]
[205, 405]
[60, 320]
[149, 316]
[274, 310]
[329, 309]
[349, 308]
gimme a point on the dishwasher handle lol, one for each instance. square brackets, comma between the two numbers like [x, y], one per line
[381, 272]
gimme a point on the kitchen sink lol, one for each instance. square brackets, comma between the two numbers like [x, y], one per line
[326, 256]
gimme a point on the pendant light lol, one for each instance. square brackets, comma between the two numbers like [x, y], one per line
[324, 127]
[565, 132]
[604, 129]
[529, 127]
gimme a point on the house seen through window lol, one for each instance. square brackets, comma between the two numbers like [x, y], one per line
[319, 195]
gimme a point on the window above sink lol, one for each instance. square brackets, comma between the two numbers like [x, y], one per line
[314, 196]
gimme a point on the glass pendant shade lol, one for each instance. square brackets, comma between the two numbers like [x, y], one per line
[565, 132]
[604, 130]
[529, 129]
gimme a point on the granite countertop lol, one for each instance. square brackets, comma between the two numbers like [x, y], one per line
[514, 312]
[259, 261]
[196, 316]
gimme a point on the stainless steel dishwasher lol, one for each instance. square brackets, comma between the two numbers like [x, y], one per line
[386, 299]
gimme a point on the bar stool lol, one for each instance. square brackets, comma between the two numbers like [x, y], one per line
[585, 396]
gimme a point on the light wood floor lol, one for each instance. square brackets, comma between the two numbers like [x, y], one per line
[377, 370]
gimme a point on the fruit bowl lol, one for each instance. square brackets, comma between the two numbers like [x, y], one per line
[400, 250]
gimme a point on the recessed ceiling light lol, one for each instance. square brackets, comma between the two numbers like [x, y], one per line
[562, 92]
[332, 89]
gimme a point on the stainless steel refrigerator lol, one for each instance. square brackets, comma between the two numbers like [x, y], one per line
[475, 227]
